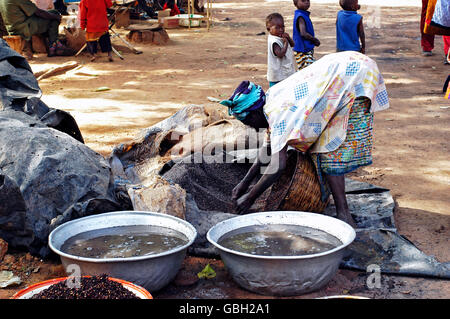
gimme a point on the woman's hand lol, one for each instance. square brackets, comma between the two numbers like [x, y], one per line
[244, 203]
[238, 190]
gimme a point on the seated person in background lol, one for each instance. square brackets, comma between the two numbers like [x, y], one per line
[170, 4]
[148, 11]
[24, 18]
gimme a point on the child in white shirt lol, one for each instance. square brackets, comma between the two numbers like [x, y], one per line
[280, 56]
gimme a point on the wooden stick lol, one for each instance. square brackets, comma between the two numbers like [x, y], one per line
[56, 70]
[82, 48]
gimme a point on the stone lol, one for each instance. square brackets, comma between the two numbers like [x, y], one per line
[158, 195]
[3, 248]
[185, 278]
[157, 37]
[147, 36]
[7, 279]
[164, 36]
[9, 259]
[38, 44]
[136, 37]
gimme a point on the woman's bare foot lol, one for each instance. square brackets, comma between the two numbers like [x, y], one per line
[347, 218]
[93, 58]
[110, 58]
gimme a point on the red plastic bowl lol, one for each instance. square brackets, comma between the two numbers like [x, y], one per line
[28, 292]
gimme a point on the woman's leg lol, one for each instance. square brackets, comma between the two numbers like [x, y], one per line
[354, 152]
[337, 187]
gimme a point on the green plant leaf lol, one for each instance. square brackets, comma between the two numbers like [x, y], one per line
[207, 272]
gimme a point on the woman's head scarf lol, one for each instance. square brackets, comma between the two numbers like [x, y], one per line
[247, 97]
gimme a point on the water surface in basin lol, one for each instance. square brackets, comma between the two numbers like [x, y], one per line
[279, 240]
[124, 241]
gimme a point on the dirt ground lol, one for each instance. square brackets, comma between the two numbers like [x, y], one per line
[411, 147]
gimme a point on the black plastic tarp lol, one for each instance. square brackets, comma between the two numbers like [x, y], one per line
[47, 175]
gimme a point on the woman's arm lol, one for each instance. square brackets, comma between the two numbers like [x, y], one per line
[271, 174]
[254, 171]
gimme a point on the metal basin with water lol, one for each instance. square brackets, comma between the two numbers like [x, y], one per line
[283, 275]
[152, 272]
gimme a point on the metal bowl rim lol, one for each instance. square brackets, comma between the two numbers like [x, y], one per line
[234, 252]
[126, 259]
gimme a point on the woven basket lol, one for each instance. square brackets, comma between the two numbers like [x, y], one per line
[298, 187]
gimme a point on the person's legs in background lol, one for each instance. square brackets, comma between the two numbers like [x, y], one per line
[92, 48]
[49, 29]
[52, 31]
[105, 45]
[427, 40]
[446, 39]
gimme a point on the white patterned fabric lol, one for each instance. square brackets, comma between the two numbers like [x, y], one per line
[310, 109]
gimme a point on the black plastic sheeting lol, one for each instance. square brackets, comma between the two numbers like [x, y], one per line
[19, 90]
[17, 81]
[47, 175]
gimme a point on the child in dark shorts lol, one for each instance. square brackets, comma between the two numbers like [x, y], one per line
[303, 35]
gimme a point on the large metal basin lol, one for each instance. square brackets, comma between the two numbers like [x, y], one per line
[283, 275]
[152, 272]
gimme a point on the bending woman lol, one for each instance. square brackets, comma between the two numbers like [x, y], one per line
[326, 110]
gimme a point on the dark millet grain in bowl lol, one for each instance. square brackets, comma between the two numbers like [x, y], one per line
[95, 287]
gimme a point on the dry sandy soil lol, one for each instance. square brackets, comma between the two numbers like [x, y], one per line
[411, 148]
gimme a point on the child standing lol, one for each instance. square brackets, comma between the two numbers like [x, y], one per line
[94, 18]
[280, 56]
[303, 35]
[350, 28]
